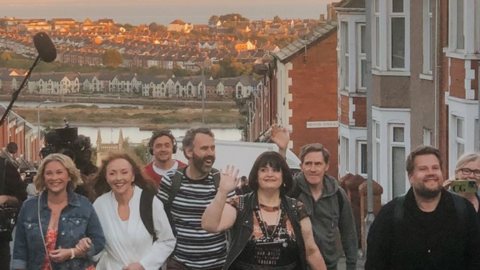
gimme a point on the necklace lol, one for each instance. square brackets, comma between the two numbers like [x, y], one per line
[276, 229]
[269, 208]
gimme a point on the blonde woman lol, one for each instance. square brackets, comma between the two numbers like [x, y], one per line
[57, 229]
[467, 168]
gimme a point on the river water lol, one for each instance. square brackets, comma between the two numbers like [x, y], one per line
[135, 135]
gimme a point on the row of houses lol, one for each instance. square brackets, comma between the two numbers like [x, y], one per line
[56, 24]
[260, 27]
[137, 54]
[142, 85]
[425, 68]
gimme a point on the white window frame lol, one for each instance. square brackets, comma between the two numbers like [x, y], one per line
[344, 155]
[477, 28]
[382, 40]
[359, 158]
[471, 29]
[360, 56]
[395, 15]
[475, 136]
[459, 140]
[392, 144]
[376, 33]
[377, 149]
[345, 60]
[427, 137]
[427, 37]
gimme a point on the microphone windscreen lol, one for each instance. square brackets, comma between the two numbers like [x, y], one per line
[45, 47]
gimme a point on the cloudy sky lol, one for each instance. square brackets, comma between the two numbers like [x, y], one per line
[161, 11]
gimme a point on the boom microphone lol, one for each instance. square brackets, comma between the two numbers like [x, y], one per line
[46, 52]
[44, 45]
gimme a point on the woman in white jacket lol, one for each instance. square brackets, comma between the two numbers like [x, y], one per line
[129, 244]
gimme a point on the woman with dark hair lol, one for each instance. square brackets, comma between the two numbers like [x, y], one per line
[268, 228]
[131, 242]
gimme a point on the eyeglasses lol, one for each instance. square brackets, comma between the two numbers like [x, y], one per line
[468, 171]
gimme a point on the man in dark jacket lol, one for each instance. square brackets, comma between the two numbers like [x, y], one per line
[12, 194]
[428, 228]
[325, 200]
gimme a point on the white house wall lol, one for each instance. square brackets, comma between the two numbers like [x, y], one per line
[468, 110]
[355, 135]
[283, 95]
[385, 117]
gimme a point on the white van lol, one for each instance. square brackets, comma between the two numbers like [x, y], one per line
[242, 155]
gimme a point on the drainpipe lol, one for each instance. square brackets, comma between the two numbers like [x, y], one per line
[478, 99]
[368, 83]
[436, 83]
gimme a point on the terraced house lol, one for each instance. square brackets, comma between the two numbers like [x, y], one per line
[424, 84]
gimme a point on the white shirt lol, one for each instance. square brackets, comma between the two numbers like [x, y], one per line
[160, 171]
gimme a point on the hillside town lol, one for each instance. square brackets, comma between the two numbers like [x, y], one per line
[180, 44]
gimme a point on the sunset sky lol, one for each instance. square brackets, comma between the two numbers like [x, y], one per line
[161, 11]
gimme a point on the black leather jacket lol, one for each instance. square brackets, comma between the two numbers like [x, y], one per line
[242, 229]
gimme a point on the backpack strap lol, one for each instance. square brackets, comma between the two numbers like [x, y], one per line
[177, 182]
[340, 200]
[216, 177]
[461, 209]
[398, 212]
[175, 187]
[146, 212]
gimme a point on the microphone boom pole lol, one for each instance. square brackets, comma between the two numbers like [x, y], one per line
[46, 52]
[17, 93]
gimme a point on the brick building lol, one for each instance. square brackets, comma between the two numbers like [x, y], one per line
[24, 134]
[301, 93]
[425, 58]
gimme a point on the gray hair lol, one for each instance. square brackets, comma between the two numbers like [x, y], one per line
[466, 158]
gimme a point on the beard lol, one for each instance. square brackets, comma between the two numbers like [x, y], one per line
[427, 193]
[199, 163]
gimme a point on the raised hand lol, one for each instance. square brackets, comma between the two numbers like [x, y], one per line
[280, 136]
[228, 180]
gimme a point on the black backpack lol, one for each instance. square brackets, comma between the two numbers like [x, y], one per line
[399, 210]
[146, 212]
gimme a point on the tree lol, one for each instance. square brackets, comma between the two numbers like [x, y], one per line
[6, 56]
[213, 20]
[128, 27]
[180, 72]
[233, 17]
[277, 19]
[153, 27]
[112, 58]
[141, 152]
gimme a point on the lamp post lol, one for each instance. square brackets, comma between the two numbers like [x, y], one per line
[38, 118]
[202, 67]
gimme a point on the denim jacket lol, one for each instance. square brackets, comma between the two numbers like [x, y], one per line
[77, 220]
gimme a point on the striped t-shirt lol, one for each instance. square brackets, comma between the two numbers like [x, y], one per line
[195, 248]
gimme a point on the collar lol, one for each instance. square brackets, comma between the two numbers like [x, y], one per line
[72, 199]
